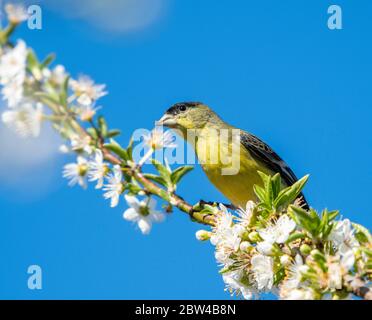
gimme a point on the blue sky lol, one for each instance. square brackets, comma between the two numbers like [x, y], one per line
[272, 68]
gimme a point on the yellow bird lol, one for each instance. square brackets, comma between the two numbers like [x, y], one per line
[230, 157]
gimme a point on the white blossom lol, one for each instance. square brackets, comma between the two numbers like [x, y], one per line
[143, 212]
[285, 260]
[13, 64]
[158, 139]
[300, 294]
[234, 284]
[114, 188]
[224, 222]
[338, 266]
[98, 169]
[275, 233]
[64, 148]
[334, 275]
[13, 73]
[226, 235]
[245, 216]
[78, 143]
[342, 236]
[347, 260]
[81, 143]
[13, 93]
[58, 75]
[262, 268]
[228, 243]
[265, 247]
[16, 13]
[295, 272]
[244, 246]
[87, 112]
[76, 172]
[280, 231]
[86, 91]
[26, 119]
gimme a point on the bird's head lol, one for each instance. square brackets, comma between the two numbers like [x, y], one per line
[187, 115]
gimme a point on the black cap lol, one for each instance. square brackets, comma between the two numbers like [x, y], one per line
[182, 106]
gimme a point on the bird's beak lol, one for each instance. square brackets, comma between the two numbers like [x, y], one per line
[167, 121]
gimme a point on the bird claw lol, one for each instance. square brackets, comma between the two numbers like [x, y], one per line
[216, 204]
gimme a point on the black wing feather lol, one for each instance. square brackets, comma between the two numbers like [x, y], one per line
[262, 152]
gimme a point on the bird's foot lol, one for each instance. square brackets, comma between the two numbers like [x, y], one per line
[202, 203]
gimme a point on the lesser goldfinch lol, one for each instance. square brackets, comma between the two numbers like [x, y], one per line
[254, 154]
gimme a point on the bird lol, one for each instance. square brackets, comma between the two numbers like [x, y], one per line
[202, 128]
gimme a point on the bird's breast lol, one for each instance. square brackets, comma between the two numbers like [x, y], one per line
[230, 167]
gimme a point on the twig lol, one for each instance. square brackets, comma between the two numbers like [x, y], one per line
[359, 287]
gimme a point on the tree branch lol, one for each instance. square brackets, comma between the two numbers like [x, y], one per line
[359, 287]
[151, 187]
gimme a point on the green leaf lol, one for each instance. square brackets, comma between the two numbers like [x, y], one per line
[318, 255]
[362, 233]
[47, 99]
[48, 60]
[289, 194]
[33, 64]
[367, 251]
[93, 133]
[269, 193]
[117, 149]
[333, 214]
[113, 133]
[102, 125]
[133, 188]
[276, 184]
[303, 218]
[265, 178]
[279, 275]
[295, 236]
[260, 193]
[163, 171]
[130, 149]
[324, 222]
[155, 178]
[179, 173]
[64, 92]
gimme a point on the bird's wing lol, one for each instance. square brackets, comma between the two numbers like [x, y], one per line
[263, 153]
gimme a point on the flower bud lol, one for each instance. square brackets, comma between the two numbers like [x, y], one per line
[285, 260]
[305, 249]
[203, 235]
[318, 256]
[244, 245]
[254, 236]
[64, 149]
[87, 115]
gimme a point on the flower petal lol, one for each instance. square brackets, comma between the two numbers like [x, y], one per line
[144, 225]
[132, 202]
[131, 215]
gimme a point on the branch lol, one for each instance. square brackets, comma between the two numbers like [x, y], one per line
[359, 287]
[174, 200]
[151, 187]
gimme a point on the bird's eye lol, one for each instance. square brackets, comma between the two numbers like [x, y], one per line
[182, 108]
